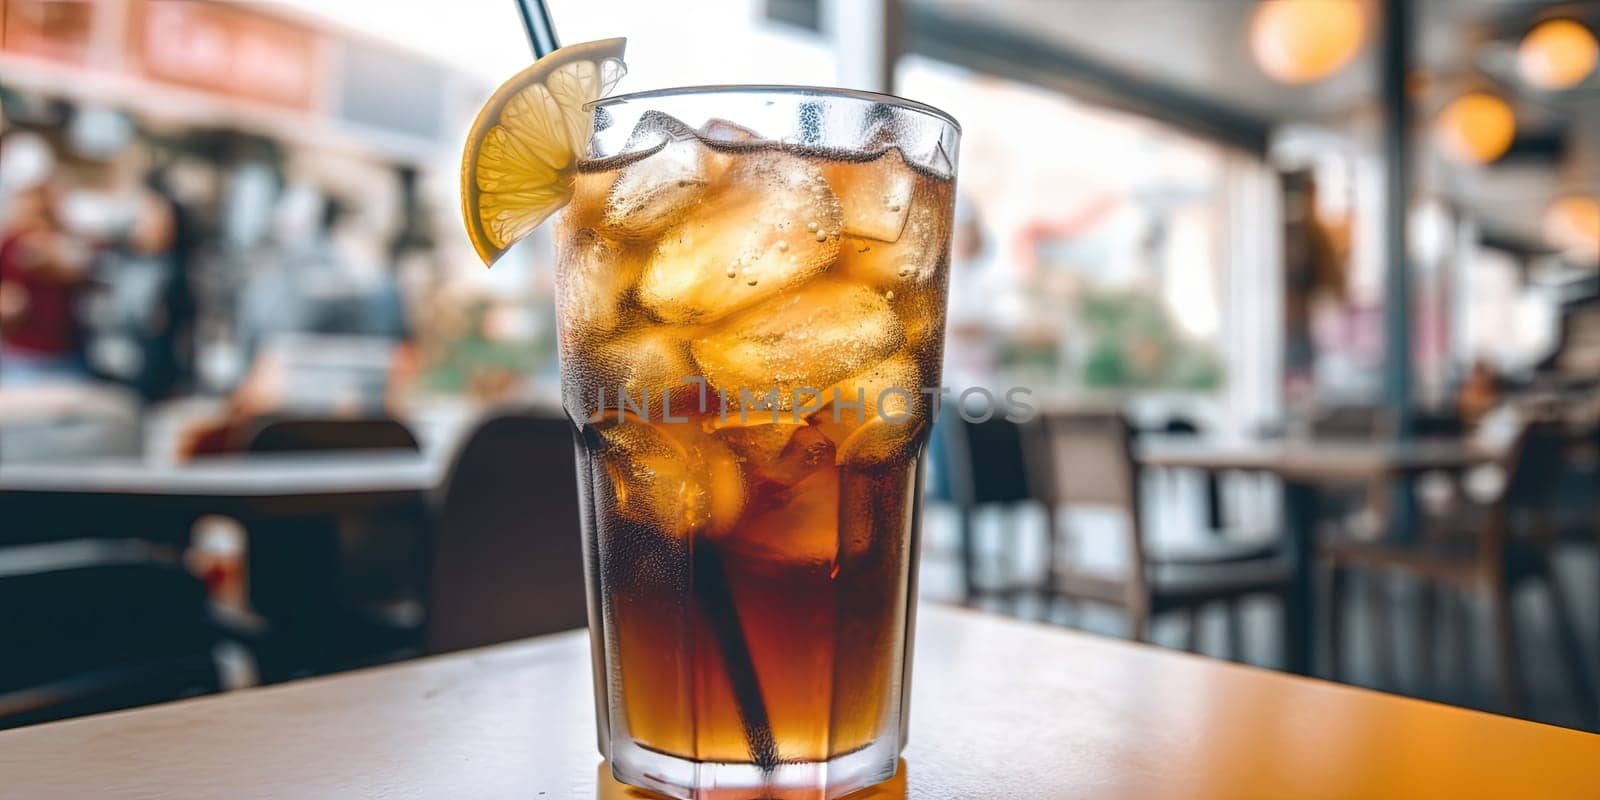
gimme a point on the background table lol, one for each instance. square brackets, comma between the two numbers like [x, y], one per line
[1306, 466]
[1001, 709]
[1313, 460]
[91, 493]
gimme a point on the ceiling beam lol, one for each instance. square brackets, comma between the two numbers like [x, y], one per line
[1006, 52]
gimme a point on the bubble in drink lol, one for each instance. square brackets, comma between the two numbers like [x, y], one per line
[764, 201]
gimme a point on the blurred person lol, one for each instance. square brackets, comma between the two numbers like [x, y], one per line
[325, 291]
[171, 233]
[42, 268]
[324, 281]
[976, 299]
[976, 296]
[26, 160]
[1479, 393]
[142, 330]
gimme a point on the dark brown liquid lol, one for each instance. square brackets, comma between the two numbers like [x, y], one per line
[814, 581]
[751, 577]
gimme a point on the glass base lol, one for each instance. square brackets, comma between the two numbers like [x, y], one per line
[710, 780]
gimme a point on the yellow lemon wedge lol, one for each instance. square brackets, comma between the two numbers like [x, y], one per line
[519, 159]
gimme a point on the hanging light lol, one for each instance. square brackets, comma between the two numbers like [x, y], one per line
[1557, 54]
[1572, 223]
[1300, 41]
[1475, 128]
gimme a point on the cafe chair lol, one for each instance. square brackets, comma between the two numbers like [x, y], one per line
[1353, 508]
[1218, 544]
[983, 466]
[334, 593]
[1186, 428]
[1084, 459]
[301, 434]
[1362, 511]
[88, 626]
[1486, 554]
[506, 556]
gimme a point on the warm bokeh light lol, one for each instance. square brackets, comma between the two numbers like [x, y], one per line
[1300, 41]
[1557, 54]
[1475, 128]
[1572, 223]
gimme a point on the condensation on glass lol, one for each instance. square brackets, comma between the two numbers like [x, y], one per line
[751, 296]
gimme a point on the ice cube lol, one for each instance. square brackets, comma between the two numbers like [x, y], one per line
[636, 375]
[721, 130]
[649, 186]
[810, 338]
[880, 442]
[672, 477]
[772, 225]
[892, 411]
[799, 525]
[759, 443]
[778, 453]
[921, 250]
[874, 196]
[659, 190]
[593, 277]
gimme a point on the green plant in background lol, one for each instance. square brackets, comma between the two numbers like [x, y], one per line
[1132, 343]
[479, 356]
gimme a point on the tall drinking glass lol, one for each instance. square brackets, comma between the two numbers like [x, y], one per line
[751, 297]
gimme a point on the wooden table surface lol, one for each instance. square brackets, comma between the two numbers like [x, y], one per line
[1001, 709]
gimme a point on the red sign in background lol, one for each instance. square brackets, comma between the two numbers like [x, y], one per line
[58, 31]
[226, 49]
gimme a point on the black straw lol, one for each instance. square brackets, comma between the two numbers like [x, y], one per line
[541, 31]
[710, 576]
[711, 590]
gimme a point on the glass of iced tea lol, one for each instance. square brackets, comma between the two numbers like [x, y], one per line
[751, 295]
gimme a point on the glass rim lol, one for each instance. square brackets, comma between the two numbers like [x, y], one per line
[780, 88]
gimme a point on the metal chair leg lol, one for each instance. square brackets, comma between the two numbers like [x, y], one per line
[969, 559]
[1139, 624]
[1502, 628]
[1235, 616]
[1380, 590]
[1427, 638]
[1016, 590]
[1191, 634]
[1338, 579]
[1050, 545]
[1461, 630]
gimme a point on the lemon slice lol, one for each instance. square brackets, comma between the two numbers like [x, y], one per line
[520, 157]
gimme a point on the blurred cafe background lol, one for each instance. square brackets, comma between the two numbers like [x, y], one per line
[1311, 288]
